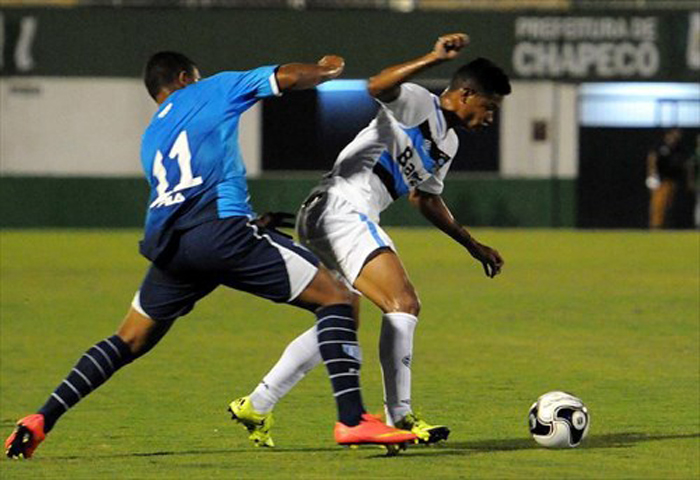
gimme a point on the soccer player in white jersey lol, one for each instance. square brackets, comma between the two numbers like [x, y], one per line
[406, 150]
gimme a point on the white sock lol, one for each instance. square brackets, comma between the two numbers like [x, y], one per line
[395, 353]
[300, 356]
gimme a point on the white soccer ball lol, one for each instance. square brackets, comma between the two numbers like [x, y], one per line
[559, 420]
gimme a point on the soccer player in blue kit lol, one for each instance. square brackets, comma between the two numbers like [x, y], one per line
[200, 233]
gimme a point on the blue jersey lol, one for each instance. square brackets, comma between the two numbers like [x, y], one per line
[191, 157]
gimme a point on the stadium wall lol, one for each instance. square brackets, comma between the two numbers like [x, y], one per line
[36, 202]
[81, 45]
[603, 45]
[86, 126]
[69, 150]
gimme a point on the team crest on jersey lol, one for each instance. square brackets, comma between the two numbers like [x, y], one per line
[431, 146]
[427, 143]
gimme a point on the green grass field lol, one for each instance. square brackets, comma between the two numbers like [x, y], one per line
[610, 316]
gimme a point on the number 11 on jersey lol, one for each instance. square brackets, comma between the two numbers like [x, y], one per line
[181, 152]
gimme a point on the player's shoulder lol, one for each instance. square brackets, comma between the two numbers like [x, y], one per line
[233, 82]
[209, 91]
[211, 85]
[169, 114]
[225, 76]
[232, 77]
[409, 92]
[412, 99]
[415, 88]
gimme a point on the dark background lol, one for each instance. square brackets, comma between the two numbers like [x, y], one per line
[307, 130]
[611, 190]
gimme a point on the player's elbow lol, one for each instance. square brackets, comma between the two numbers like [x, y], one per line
[288, 77]
[299, 76]
[420, 199]
[378, 89]
[414, 198]
[374, 88]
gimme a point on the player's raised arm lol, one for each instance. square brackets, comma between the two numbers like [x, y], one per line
[385, 85]
[434, 209]
[300, 76]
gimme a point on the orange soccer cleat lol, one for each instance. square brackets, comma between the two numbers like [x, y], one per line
[371, 430]
[28, 434]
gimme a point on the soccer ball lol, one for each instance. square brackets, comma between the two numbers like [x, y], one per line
[559, 420]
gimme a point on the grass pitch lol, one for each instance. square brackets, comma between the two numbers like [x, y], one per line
[610, 316]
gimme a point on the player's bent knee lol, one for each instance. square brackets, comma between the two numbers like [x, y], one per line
[135, 341]
[405, 303]
[326, 290]
[338, 293]
[140, 332]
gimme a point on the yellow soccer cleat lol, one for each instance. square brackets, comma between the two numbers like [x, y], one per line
[425, 432]
[257, 424]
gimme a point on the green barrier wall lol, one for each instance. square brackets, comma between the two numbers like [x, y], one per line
[597, 45]
[35, 202]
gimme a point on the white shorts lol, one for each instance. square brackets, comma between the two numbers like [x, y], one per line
[341, 236]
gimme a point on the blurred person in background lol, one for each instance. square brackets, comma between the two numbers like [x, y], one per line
[694, 179]
[666, 173]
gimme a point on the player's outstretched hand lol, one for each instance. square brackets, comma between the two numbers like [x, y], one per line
[276, 220]
[489, 258]
[334, 65]
[448, 46]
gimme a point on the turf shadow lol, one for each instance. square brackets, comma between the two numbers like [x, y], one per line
[628, 439]
[611, 440]
[167, 453]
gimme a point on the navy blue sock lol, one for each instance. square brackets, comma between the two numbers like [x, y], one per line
[93, 369]
[337, 342]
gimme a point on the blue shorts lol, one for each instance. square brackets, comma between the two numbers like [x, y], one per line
[231, 252]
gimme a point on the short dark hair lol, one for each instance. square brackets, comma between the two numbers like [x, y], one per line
[163, 68]
[482, 75]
